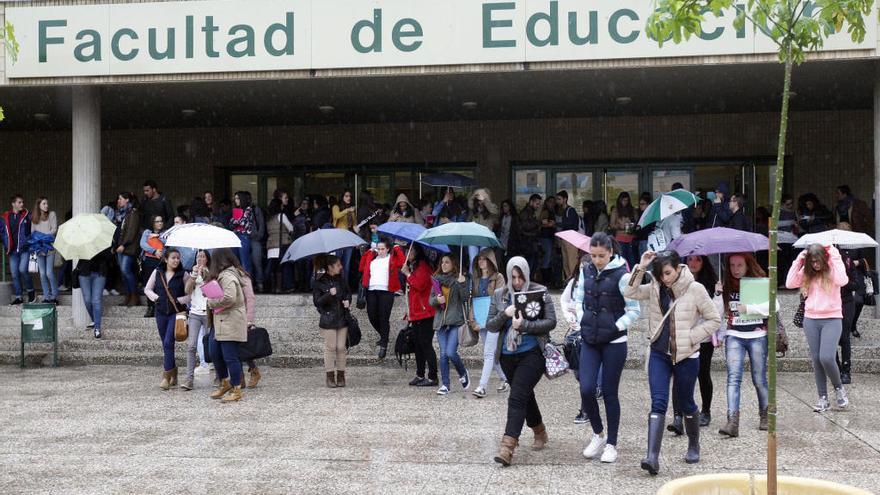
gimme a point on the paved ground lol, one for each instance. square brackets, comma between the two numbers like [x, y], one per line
[109, 429]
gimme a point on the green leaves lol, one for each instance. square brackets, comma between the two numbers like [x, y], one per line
[12, 47]
[1, 114]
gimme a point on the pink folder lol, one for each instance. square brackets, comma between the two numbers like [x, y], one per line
[212, 290]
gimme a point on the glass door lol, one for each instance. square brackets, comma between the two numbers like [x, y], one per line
[580, 186]
[617, 181]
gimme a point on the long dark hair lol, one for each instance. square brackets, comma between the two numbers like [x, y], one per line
[663, 259]
[706, 276]
[454, 261]
[625, 211]
[599, 207]
[132, 199]
[244, 198]
[222, 259]
[324, 261]
[341, 203]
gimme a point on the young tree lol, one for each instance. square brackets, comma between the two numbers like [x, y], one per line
[797, 27]
[7, 37]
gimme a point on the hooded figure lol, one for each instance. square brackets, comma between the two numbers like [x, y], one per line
[408, 215]
[498, 321]
[495, 282]
[488, 216]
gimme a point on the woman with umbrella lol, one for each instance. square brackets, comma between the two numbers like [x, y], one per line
[380, 269]
[486, 279]
[448, 296]
[332, 298]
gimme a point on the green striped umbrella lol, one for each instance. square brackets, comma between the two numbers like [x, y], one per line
[667, 204]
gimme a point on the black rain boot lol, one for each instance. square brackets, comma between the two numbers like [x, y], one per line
[676, 426]
[692, 427]
[651, 462]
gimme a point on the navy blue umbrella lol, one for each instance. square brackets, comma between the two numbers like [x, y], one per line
[447, 179]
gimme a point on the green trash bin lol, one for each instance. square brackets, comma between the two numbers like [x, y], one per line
[39, 324]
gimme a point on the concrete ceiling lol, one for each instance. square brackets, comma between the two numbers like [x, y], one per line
[824, 85]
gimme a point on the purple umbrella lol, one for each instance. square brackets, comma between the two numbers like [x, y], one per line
[719, 240]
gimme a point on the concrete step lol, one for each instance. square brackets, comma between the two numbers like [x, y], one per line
[263, 299]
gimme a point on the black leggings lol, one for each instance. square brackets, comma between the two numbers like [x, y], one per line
[426, 357]
[705, 377]
[379, 304]
[523, 371]
[844, 358]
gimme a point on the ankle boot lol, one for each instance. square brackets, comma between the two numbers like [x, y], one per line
[224, 387]
[731, 429]
[340, 378]
[173, 381]
[255, 378]
[651, 462]
[234, 395]
[676, 426]
[764, 424]
[505, 451]
[166, 380]
[540, 437]
[331, 379]
[692, 427]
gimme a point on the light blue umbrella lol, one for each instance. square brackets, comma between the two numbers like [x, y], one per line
[321, 241]
[461, 234]
[409, 232]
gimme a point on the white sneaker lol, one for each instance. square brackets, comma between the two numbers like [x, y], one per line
[114, 292]
[609, 454]
[202, 370]
[106, 293]
[443, 390]
[595, 447]
[211, 366]
[503, 387]
[479, 392]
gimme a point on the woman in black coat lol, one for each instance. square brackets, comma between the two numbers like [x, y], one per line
[332, 298]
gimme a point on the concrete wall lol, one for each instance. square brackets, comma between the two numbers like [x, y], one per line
[824, 149]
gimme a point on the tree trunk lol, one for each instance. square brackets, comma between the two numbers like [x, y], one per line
[774, 276]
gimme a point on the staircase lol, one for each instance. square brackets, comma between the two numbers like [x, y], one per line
[292, 321]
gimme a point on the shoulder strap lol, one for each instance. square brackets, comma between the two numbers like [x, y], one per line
[167, 291]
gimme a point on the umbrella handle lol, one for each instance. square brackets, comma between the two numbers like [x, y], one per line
[460, 258]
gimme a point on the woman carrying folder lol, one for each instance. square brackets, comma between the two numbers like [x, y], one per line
[485, 280]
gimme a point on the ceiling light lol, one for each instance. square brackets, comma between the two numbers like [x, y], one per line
[326, 109]
[42, 117]
[623, 100]
[469, 105]
[188, 112]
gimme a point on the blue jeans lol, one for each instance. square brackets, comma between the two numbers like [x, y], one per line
[18, 265]
[610, 359]
[165, 324]
[735, 351]
[547, 248]
[47, 276]
[224, 355]
[92, 287]
[244, 252]
[126, 266]
[628, 251]
[490, 345]
[684, 376]
[345, 255]
[447, 337]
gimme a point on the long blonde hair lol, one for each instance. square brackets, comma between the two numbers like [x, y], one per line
[811, 275]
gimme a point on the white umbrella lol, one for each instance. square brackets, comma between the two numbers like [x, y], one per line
[785, 237]
[200, 236]
[842, 238]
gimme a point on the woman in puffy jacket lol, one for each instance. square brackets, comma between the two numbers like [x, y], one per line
[420, 315]
[682, 315]
[380, 276]
[332, 298]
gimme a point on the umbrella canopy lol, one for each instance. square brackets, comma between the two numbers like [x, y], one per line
[409, 232]
[84, 236]
[576, 239]
[719, 240]
[321, 241]
[447, 179]
[461, 234]
[842, 238]
[667, 204]
[200, 236]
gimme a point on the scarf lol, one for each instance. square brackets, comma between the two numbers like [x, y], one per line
[120, 213]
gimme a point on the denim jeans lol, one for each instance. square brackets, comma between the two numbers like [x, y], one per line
[244, 252]
[735, 352]
[18, 265]
[684, 377]
[126, 266]
[547, 248]
[447, 337]
[224, 355]
[165, 324]
[524, 372]
[92, 287]
[602, 366]
[196, 324]
[257, 264]
[628, 252]
[47, 276]
[490, 346]
[345, 255]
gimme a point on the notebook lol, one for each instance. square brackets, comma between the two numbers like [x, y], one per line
[212, 290]
[530, 304]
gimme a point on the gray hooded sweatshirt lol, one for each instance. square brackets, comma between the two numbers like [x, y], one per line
[496, 322]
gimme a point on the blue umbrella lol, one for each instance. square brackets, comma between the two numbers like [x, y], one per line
[409, 232]
[461, 234]
[447, 179]
[321, 241]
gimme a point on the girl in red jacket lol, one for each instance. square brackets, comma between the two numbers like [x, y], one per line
[420, 315]
[380, 269]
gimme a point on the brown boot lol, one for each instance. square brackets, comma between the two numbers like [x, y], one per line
[331, 379]
[340, 378]
[764, 425]
[224, 387]
[125, 300]
[540, 437]
[255, 378]
[243, 381]
[731, 429]
[505, 451]
[135, 300]
[234, 395]
[166, 380]
[173, 381]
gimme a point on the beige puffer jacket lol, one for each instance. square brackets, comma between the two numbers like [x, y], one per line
[231, 323]
[692, 304]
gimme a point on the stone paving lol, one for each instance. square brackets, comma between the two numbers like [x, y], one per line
[110, 429]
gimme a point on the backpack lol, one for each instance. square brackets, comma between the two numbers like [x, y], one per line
[657, 240]
[405, 345]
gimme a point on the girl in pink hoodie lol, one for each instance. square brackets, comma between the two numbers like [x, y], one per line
[819, 273]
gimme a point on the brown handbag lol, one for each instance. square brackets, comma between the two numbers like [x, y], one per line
[181, 327]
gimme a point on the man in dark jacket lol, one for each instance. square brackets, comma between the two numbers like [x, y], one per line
[155, 204]
[568, 220]
[529, 226]
[738, 219]
[720, 214]
[16, 230]
[321, 217]
[853, 210]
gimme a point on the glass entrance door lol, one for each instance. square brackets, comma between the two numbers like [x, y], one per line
[618, 181]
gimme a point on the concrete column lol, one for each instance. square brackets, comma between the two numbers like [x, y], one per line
[86, 167]
[877, 171]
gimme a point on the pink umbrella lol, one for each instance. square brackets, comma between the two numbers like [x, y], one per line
[576, 239]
